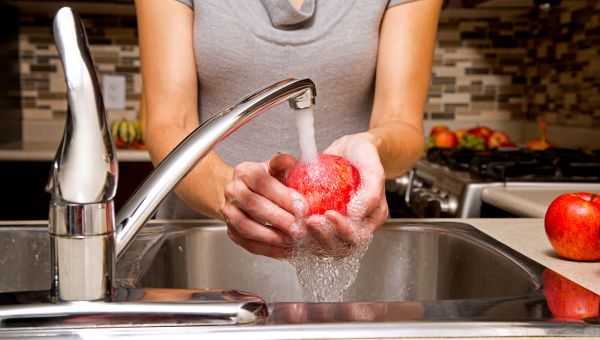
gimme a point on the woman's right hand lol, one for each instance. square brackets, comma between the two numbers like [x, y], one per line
[261, 213]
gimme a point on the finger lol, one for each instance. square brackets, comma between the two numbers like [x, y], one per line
[252, 230]
[257, 247]
[321, 229]
[343, 230]
[378, 216]
[367, 198]
[264, 211]
[263, 184]
[280, 164]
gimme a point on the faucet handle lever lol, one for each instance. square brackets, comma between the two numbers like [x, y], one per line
[85, 167]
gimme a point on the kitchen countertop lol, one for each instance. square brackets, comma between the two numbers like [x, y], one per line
[531, 200]
[41, 151]
[528, 237]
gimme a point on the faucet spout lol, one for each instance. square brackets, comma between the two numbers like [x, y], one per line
[300, 93]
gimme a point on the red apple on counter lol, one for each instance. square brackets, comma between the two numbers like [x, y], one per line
[327, 183]
[481, 131]
[572, 224]
[497, 139]
[438, 129]
[460, 133]
[445, 139]
[567, 300]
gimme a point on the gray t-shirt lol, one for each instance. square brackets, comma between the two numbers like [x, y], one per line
[241, 46]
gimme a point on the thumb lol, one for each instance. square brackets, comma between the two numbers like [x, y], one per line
[280, 164]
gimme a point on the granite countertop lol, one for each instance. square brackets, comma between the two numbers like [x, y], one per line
[532, 200]
[41, 151]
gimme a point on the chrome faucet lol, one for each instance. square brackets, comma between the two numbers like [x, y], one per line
[83, 178]
[85, 238]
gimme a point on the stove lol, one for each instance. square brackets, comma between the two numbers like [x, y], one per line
[449, 182]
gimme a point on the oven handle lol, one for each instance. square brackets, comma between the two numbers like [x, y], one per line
[411, 176]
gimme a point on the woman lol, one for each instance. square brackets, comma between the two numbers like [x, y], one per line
[370, 61]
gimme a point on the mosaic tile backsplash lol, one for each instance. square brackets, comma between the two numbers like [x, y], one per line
[113, 46]
[489, 65]
[563, 79]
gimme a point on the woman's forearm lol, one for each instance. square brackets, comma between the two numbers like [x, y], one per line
[399, 146]
[202, 188]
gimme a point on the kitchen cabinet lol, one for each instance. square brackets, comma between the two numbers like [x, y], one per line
[23, 196]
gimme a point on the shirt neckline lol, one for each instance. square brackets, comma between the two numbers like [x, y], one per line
[324, 15]
[283, 14]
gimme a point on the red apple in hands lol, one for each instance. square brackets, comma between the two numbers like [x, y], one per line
[567, 300]
[572, 222]
[326, 183]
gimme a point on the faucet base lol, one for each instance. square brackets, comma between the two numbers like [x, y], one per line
[82, 251]
[82, 267]
[133, 307]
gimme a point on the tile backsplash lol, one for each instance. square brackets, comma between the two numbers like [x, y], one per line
[490, 65]
[563, 77]
[113, 46]
[478, 66]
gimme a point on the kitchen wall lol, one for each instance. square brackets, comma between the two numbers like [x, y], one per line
[113, 46]
[478, 66]
[491, 65]
[563, 73]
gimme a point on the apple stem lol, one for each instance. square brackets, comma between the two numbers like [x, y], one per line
[592, 197]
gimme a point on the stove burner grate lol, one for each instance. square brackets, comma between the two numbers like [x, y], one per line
[515, 164]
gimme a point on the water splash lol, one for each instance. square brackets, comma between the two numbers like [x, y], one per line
[325, 275]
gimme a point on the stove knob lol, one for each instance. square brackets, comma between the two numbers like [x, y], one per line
[432, 208]
[425, 203]
[398, 185]
[449, 205]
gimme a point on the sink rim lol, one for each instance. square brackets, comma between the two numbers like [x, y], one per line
[419, 329]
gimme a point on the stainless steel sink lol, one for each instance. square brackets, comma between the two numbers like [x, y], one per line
[404, 262]
[24, 258]
[417, 279]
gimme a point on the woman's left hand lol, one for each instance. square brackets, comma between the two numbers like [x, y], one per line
[367, 209]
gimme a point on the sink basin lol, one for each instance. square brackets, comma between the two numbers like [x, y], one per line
[25, 254]
[404, 262]
[416, 279]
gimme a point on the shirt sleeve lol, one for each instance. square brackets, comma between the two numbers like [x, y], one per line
[189, 3]
[392, 3]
